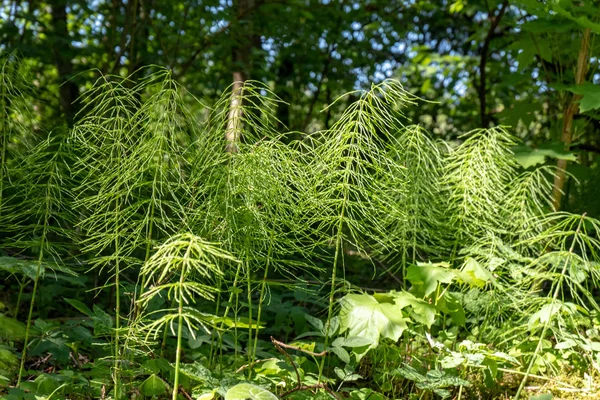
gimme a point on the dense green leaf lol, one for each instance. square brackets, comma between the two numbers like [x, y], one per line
[153, 386]
[247, 391]
[426, 277]
[364, 317]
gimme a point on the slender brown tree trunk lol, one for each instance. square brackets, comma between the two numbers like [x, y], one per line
[68, 91]
[244, 40]
[483, 58]
[571, 110]
[234, 120]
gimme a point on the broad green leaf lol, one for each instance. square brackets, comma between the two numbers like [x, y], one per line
[199, 340]
[79, 306]
[341, 353]
[590, 93]
[304, 345]
[207, 396]
[198, 372]
[365, 393]
[247, 391]
[158, 365]
[520, 111]
[153, 386]
[452, 361]
[102, 320]
[450, 305]
[46, 384]
[425, 278]
[410, 373]
[545, 314]
[529, 157]
[421, 311]
[582, 21]
[270, 367]
[346, 376]
[363, 316]
[457, 6]
[474, 274]
[548, 25]
[352, 342]
[315, 322]
[527, 53]
[15, 265]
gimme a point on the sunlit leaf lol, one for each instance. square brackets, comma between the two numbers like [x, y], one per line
[247, 391]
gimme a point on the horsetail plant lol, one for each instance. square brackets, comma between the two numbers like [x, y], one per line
[569, 261]
[133, 140]
[13, 109]
[354, 182]
[102, 137]
[416, 232]
[185, 267]
[247, 199]
[39, 214]
[477, 177]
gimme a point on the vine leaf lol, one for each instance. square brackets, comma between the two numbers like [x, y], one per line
[363, 316]
[426, 277]
[153, 386]
[245, 391]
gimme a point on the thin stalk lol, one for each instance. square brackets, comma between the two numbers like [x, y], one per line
[117, 312]
[259, 312]
[236, 310]
[547, 323]
[30, 316]
[163, 344]
[179, 333]
[338, 251]
[249, 297]
[226, 312]
[19, 296]
[3, 136]
[212, 338]
[38, 271]
[148, 240]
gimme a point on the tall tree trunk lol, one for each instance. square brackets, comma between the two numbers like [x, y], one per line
[483, 58]
[244, 39]
[139, 28]
[284, 89]
[61, 49]
[571, 110]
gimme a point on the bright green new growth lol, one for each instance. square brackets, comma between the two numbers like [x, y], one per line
[39, 213]
[477, 180]
[133, 170]
[148, 170]
[185, 267]
[351, 191]
[247, 200]
[416, 224]
[35, 197]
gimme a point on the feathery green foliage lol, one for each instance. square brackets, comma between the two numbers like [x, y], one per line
[185, 267]
[352, 189]
[473, 236]
[417, 232]
[39, 213]
[477, 179]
